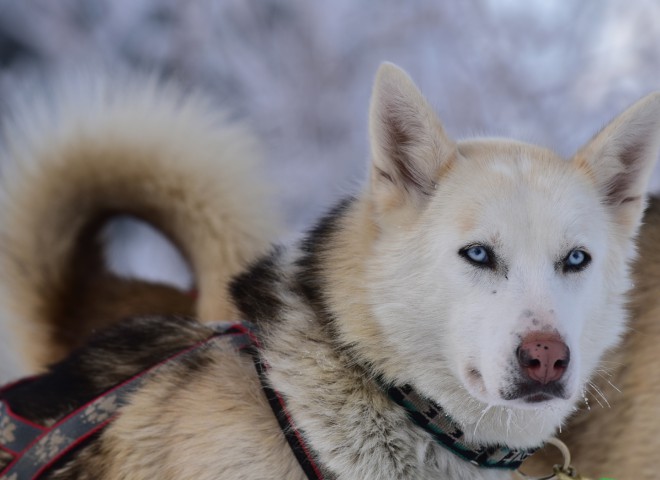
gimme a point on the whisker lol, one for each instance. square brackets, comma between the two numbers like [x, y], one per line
[600, 393]
[595, 398]
[608, 381]
[483, 414]
[614, 387]
[618, 364]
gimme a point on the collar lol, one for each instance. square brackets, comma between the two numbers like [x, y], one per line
[432, 418]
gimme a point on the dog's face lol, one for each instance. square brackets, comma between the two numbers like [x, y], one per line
[518, 246]
[499, 268]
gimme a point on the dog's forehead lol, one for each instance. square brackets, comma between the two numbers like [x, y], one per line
[516, 161]
[502, 184]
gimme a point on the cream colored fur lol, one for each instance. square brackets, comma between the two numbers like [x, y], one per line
[89, 147]
[388, 293]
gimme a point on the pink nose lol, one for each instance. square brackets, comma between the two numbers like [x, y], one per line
[543, 357]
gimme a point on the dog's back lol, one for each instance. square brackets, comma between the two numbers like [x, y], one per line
[197, 412]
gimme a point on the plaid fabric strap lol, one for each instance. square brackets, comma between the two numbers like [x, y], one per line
[36, 449]
[432, 418]
[293, 436]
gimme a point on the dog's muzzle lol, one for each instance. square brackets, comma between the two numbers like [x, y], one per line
[543, 358]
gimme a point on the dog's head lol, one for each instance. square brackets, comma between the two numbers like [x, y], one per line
[500, 269]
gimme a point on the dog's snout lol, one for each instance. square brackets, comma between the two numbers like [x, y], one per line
[543, 357]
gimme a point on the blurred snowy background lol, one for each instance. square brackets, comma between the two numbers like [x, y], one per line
[300, 73]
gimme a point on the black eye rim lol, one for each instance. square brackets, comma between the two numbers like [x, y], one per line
[569, 268]
[491, 262]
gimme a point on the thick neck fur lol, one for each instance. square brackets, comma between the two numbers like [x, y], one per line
[352, 264]
[325, 349]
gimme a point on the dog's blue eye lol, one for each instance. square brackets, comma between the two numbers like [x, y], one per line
[576, 257]
[576, 260]
[478, 255]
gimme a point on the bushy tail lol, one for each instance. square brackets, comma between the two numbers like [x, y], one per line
[80, 152]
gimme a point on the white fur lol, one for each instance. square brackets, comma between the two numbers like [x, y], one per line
[443, 316]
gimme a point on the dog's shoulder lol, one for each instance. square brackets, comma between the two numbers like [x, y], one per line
[109, 358]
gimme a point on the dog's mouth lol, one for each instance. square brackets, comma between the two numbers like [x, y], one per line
[534, 392]
[520, 390]
[537, 398]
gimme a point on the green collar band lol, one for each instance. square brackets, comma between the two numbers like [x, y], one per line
[432, 418]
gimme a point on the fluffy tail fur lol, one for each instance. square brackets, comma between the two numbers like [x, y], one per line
[78, 153]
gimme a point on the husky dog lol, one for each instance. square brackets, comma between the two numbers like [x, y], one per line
[441, 324]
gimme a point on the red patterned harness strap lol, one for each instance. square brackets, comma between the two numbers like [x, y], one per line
[35, 449]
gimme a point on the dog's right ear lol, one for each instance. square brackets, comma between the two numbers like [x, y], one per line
[409, 147]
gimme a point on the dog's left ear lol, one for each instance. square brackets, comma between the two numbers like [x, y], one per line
[620, 158]
[409, 147]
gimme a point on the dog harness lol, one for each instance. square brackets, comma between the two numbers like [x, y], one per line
[34, 449]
